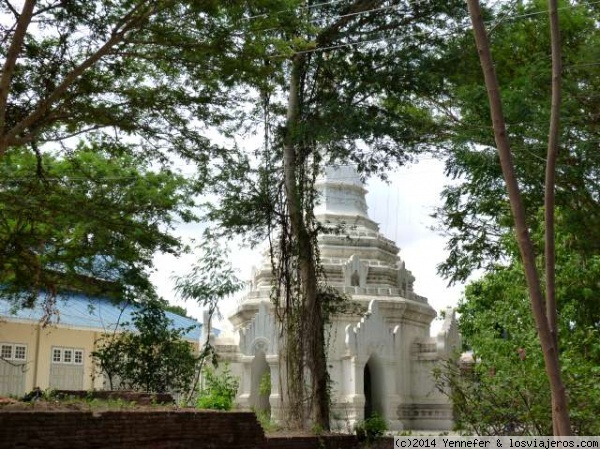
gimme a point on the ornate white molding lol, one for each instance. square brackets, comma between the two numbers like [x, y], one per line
[261, 333]
[371, 335]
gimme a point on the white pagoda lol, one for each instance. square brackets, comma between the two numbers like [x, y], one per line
[380, 358]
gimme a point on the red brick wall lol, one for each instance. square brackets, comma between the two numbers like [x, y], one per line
[130, 429]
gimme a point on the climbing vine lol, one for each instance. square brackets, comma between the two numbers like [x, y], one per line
[302, 328]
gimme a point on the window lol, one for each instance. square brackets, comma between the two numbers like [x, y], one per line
[69, 356]
[20, 352]
[6, 352]
[12, 351]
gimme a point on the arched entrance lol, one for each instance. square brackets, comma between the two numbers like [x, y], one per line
[373, 387]
[260, 389]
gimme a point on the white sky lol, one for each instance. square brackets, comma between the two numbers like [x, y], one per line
[402, 208]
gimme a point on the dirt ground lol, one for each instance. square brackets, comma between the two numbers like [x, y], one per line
[9, 404]
[97, 406]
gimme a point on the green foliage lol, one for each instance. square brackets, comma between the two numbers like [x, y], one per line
[177, 310]
[151, 357]
[372, 428]
[210, 280]
[317, 429]
[506, 391]
[138, 83]
[119, 69]
[264, 419]
[90, 221]
[498, 398]
[219, 389]
[264, 388]
[476, 213]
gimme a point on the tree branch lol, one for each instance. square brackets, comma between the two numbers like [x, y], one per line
[329, 34]
[12, 9]
[137, 15]
[549, 196]
[552, 154]
[23, 22]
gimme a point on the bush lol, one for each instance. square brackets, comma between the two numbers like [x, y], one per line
[219, 390]
[151, 356]
[371, 428]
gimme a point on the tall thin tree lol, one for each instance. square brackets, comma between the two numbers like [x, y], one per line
[545, 318]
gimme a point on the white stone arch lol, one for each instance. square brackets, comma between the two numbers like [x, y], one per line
[259, 348]
[260, 334]
[372, 342]
[374, 386]
[371, 335]
[259, 369]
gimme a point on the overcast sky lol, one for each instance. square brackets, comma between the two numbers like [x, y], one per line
[402, 208]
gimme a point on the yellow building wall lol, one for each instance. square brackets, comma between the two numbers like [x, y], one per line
[65, 338]
[40, 341]
[22, 334]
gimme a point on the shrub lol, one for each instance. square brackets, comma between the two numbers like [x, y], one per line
[150, 356]
[371, 428]
[219, 390]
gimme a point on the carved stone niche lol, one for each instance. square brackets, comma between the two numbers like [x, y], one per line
[355, 272]
[405, 281]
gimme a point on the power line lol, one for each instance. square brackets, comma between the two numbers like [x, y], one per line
[449, 31]
[282, 11]
[454, 28]
[337, 17]
[300, 8]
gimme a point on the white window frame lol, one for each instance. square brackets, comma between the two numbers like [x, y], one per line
[20, 352]
[15, 349]
[74, 357]
[4, 347]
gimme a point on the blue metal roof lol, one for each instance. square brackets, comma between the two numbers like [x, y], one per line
[78, 310]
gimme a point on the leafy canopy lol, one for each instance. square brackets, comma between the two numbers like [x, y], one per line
[476, 214]
[89, 221]
[154, 73]
[505, 390]
[96, 97]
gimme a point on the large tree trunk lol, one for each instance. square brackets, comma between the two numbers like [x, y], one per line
[314, 324]
[560, 413]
